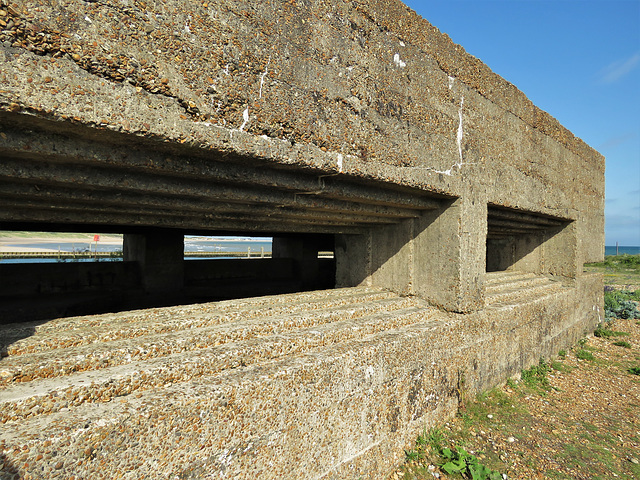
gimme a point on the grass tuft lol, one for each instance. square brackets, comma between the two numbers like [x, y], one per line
[583, 354]
[604, 332]
[536, 376]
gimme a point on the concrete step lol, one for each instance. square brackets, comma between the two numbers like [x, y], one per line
[48, 395]
[21, 338]
[144, 344]
[222, 394]
[493, 278]
[510, 288]
[217, 419]
[514, 283]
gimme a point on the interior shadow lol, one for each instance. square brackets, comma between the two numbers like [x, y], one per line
[516, 239]
[44, 291]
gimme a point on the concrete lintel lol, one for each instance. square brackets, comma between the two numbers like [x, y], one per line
[494, 213]
[58, 149]
[12, 219]
[274, 215]
[103, 179]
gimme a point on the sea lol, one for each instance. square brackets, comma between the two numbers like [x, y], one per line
[611, 250]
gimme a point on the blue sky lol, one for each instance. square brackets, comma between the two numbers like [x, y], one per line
[577, 59]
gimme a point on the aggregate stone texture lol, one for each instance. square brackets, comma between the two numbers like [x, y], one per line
[325, 384]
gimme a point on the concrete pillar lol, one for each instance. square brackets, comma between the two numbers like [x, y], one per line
[303, 250]
[450, 252]
[353, 260]
[439, 256]
[160, 255]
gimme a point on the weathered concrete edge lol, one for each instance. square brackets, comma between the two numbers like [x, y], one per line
[556, 322]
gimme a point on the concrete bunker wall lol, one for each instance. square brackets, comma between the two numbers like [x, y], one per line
[436, 179]
[335, 89]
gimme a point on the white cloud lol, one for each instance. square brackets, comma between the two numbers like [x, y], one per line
[618, 69]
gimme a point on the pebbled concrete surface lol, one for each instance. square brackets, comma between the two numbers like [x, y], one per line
[326, 384]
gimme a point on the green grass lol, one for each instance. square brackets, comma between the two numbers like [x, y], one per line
[618, 269]
[584, 354]
[619, 261]
[622, 343]
[536, 376]
[604, 332]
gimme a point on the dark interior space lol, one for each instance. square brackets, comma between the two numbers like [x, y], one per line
[150, 277]
[514, 234]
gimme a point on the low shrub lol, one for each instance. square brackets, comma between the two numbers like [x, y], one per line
[458, 461]
[621, 304]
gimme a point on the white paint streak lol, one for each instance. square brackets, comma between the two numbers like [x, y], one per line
[245, 117]
[264, 74]
[460, 132]
[87, 19]
[398, 62]
[340, 159]
[459, 137]
[451, 80]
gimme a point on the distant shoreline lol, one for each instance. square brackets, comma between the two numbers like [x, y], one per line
[14, 244]
[30, 244]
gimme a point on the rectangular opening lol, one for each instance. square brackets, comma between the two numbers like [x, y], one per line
[197, 247]
[527, 241]
[55, 274]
